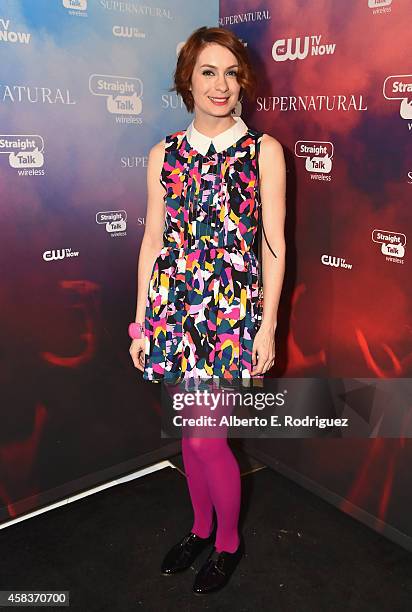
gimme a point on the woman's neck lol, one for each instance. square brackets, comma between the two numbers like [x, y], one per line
[212, 126]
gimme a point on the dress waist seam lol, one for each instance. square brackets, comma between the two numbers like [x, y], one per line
[226, 247]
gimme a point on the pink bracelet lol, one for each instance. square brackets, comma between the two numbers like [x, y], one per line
[136, 330]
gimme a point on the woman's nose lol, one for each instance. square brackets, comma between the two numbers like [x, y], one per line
[221, 84]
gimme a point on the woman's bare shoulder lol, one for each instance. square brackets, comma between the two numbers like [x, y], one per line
[271, 156]
[158, 148]
[270, 145]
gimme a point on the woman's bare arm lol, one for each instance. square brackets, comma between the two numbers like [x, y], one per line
[273, 194]
[152, 240]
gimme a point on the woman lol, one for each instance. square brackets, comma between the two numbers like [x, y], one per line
[196, 313]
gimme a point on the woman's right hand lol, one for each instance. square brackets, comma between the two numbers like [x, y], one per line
[137, 352]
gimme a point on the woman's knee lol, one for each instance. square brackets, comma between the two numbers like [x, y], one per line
[206, 448]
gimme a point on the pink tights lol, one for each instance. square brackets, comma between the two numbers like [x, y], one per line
[213, 478]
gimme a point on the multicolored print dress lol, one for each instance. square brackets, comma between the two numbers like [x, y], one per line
[200, 318]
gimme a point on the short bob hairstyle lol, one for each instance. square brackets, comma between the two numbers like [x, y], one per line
[188, 56]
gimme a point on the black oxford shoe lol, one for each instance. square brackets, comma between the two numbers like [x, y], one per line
[182, 554]
[217, 569]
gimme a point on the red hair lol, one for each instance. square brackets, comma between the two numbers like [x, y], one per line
[188, 55]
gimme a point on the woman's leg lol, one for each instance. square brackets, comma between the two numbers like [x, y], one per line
[199, 491]
[211, 461]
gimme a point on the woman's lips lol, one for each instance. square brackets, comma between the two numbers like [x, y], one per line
[218, 101]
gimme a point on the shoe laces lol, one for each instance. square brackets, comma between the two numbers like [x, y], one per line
[217, 558]
[192, 537]
[189, 538]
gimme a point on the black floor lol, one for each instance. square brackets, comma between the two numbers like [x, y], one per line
[301, 553]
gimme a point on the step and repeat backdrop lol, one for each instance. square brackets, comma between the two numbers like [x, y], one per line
[335, 88]
[84, 95]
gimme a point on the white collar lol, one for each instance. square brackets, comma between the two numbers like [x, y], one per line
[222, 141]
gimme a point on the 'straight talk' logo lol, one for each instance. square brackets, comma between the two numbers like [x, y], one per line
[75, 5]
[123, 94]
[378, 3]
[399, 87]
[318, 156]
[392, 244]
[24, 151]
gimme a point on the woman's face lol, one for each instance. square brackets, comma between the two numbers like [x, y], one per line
[215, 88]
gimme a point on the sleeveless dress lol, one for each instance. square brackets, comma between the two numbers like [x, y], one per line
[201, 308]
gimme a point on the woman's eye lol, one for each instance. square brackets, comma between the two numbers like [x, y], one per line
[229, 72]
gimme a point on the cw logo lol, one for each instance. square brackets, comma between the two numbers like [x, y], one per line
[59, 254]
[335, 262]
[292, 49]
[127, 32]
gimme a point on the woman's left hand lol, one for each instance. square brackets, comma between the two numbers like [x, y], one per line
[263, 352]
